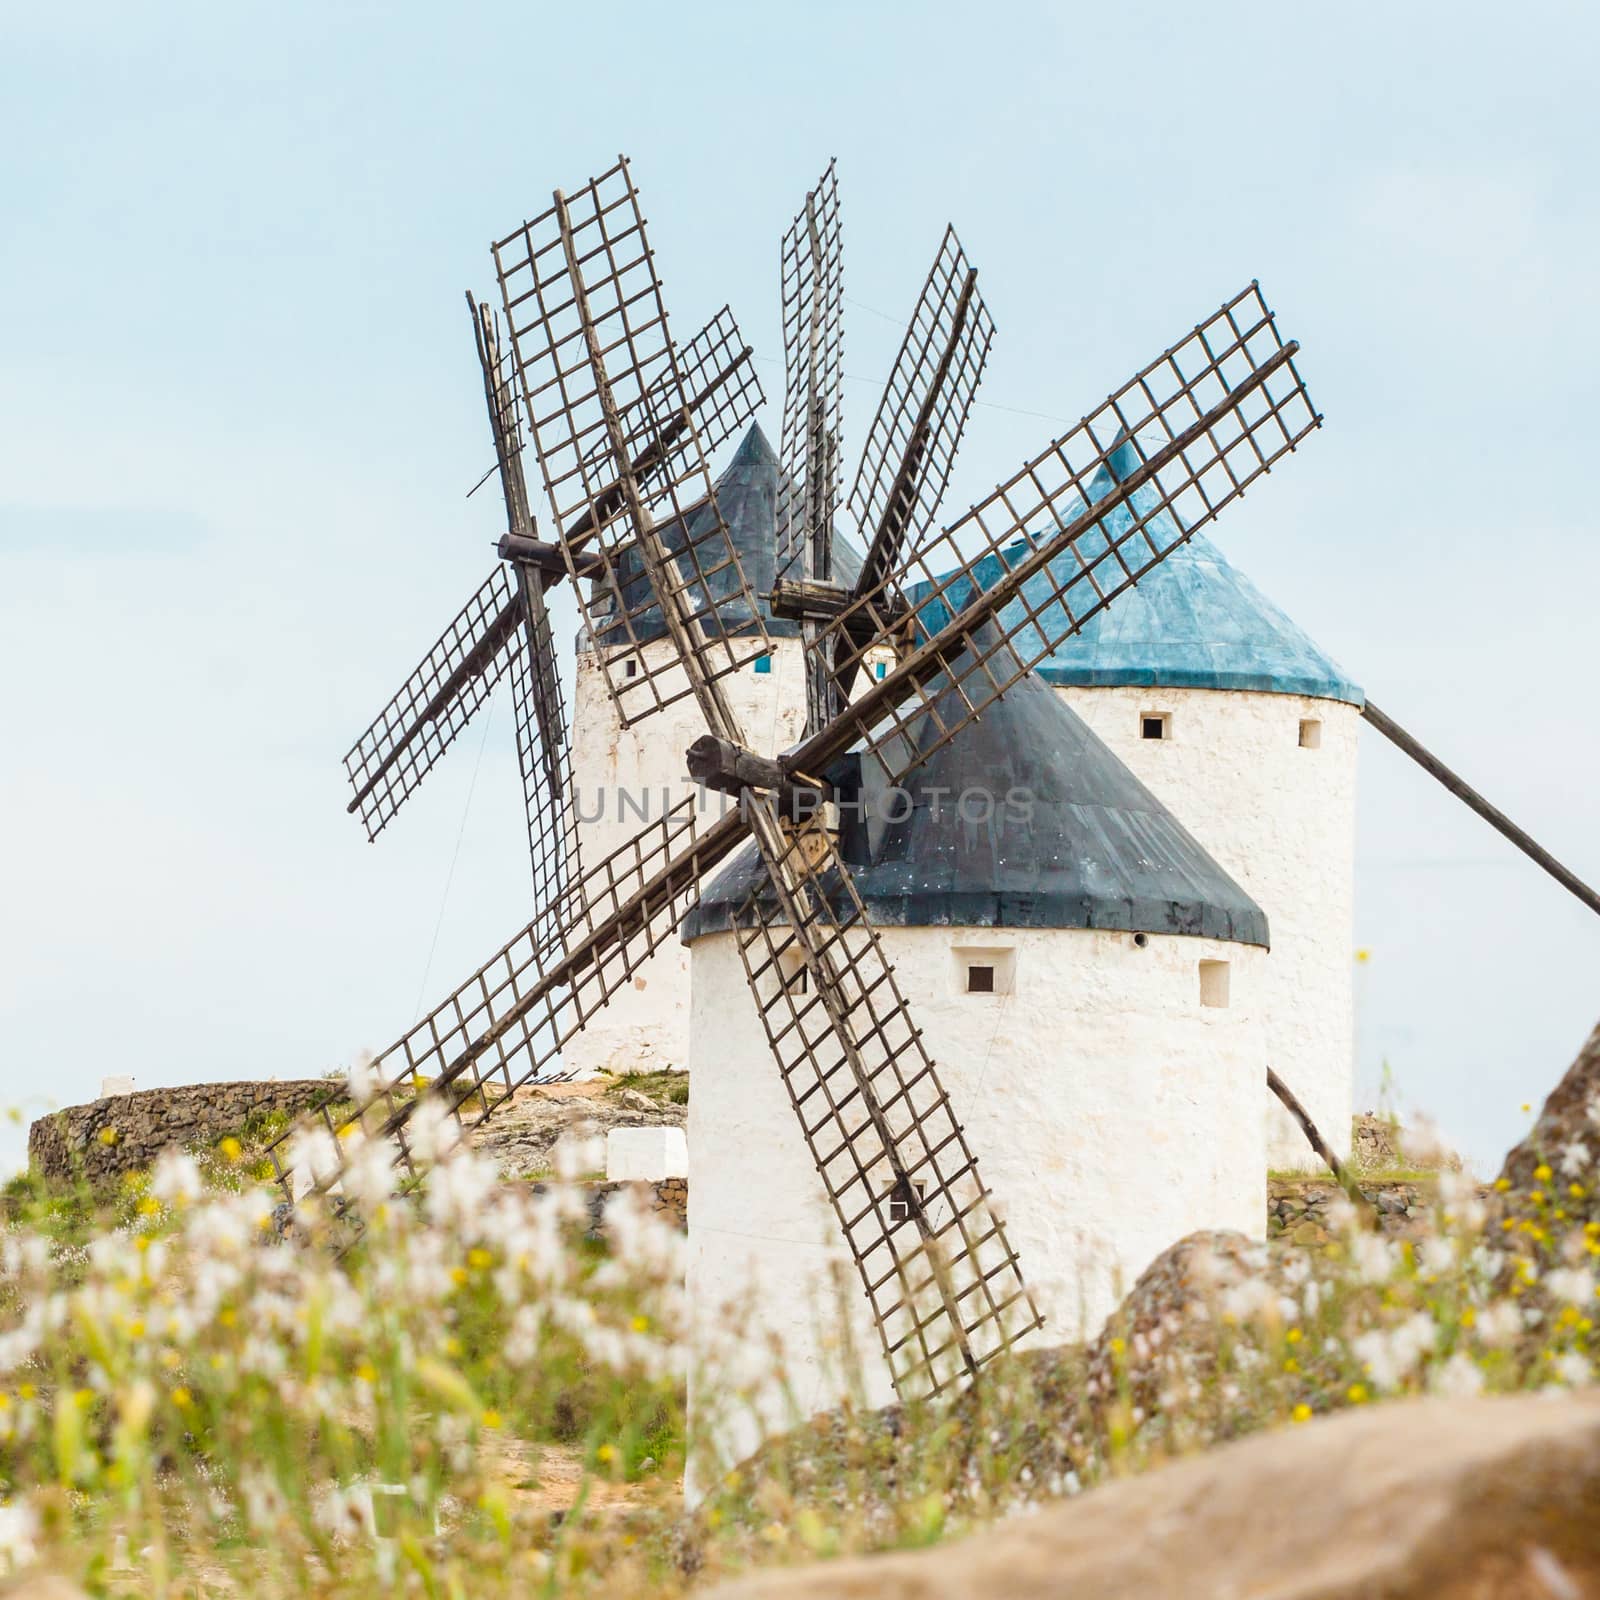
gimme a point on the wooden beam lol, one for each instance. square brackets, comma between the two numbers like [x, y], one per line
[1496, 818]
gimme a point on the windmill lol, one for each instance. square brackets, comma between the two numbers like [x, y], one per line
[602, 388]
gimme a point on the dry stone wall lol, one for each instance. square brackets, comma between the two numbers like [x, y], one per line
[668, 1198]
[124, 1132]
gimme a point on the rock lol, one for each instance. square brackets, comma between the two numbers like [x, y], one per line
[632, 1100]
[1425, 1500]
[1374, 1142]
[522, 1134]
[1566, 1138]
[41, 1586]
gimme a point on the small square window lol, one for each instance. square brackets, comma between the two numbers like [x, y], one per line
[1213, 983]
[1155, 725]
[764, 663]
[905, 1200]
[1310, 733]
[792, 972]
[985, 971]
[630, 668]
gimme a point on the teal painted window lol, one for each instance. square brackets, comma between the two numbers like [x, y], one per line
[764, 663]
[883, 669]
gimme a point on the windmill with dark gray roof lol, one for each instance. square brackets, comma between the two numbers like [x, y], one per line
[876, 900]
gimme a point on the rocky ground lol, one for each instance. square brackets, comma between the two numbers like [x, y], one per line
[522, 1136]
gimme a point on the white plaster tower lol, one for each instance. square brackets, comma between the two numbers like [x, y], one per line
[1247, 730]
[1085, 975]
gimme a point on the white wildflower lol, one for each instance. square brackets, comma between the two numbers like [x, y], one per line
[577, 1156]
[1252, 1297]
[19, 1529]
[1594, 1111]
[176, 1179]
[1575, 1159]
[1500, 1324]
[24, 1255]
[1572, 1369]
[430, 1132]
[343, 1512]
[1372, 1258]
[521, 1348]
[314, 1156]
[458, 1189]
[1572, 1284]
[1436, 1255]
[364, 1081]
[1390, 1356]
[1460, 1377]
[369, 1177]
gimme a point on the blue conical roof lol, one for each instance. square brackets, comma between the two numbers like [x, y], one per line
[746, 494]
[1195, 621]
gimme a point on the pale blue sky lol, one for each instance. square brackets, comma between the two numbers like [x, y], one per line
[239, 411]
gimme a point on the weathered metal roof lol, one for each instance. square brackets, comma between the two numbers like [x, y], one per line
[1090, 847]
[1193, 622]
[746, 494]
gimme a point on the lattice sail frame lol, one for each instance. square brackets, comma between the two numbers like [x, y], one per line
[811, 440]
[911, 446]
[598, 369]
[946, 1291]
[504, 1028]
[1000, 589]
[433, 705]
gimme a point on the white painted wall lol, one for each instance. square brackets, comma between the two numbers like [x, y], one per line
[646, 1155]
[1281, 820]
[646, 1028]
[1110, 1112]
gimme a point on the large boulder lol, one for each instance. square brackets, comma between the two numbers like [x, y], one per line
[1425, 1500]
[1565, 1139]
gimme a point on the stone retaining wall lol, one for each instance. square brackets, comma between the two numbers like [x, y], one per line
[1297, 1209]
[669, 1198]
[126, 1131]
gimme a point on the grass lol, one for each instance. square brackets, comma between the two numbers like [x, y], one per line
[176, 1380]
[670, 1088]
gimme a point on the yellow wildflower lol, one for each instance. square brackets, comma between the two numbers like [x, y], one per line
[1302, 1412]
[181, 1398]
[606, 1452]
[641, 1323]
[1293, 1336]
[231, 1148]
[1542, 1173]
[492, 1418]
[478, 1258]
[1356, 1393]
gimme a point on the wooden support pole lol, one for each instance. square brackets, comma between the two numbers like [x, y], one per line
[1496, 818]
[1291, 1104]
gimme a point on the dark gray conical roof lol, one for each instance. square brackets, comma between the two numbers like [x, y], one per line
[1090, 848]
[746, 495]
